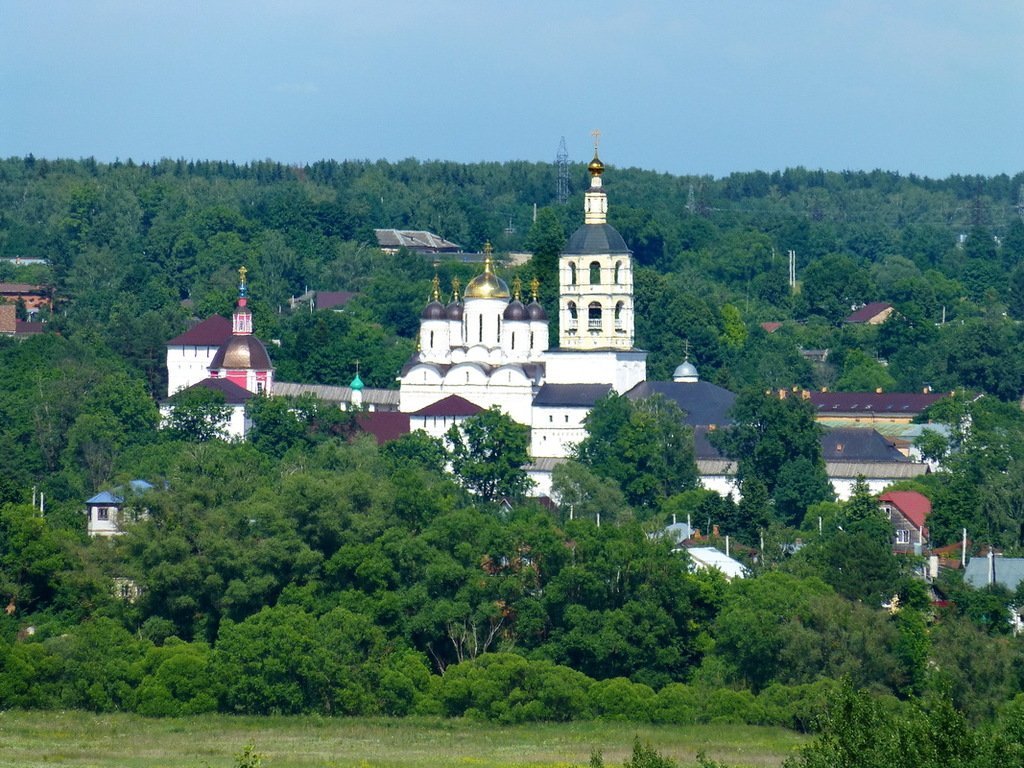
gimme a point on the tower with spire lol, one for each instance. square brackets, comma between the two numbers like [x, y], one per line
[242, 359]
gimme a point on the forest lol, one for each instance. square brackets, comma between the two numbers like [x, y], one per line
[311, 571]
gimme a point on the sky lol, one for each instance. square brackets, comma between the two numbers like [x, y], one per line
[709, 87]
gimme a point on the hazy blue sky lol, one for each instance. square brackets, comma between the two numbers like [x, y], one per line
[919, 86]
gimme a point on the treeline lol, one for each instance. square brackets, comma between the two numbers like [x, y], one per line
[312, 572]
[130, 242]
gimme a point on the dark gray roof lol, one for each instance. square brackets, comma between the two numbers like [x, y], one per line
[577, 395]
[858, 444]
[1008, 571]
[596, 238]
[701, 401]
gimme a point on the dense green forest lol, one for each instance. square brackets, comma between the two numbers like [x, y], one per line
[312, 571]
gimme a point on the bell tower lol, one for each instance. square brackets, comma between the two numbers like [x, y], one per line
[595, 274]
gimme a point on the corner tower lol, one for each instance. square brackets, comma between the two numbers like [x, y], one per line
[595, 275]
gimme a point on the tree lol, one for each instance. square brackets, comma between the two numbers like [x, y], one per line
[776, 440]
[487, 452]
[644, 446]
[197, 415]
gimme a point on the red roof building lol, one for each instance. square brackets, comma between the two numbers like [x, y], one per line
[908, 511]
[875, 313]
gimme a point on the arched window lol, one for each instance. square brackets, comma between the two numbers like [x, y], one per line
[480, 330]
[513, 340]
[431, 339]
[573, 316]
[595, 273]
[572, 273]
[618, 270]
[594, 316]
[618, 316]
[499, 329]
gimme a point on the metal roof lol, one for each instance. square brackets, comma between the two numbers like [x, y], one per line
[701, 401]
[571, 395]
[211, 332]
[596, 239]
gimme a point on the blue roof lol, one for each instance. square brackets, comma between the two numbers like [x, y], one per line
[105, 497]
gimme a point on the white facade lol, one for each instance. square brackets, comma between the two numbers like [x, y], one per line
[492, 349]
[188, 365]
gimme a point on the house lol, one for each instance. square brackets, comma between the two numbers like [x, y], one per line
[317, 300]
[34, 297]
[417, 240]
[10, 325]
[994, 569]
[875, 313]
[707, 558]
[851, 453]
[106, 510]
[908, 512]
[852, 409]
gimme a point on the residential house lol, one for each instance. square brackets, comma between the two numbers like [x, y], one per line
[851, 453]
[994, 569]
[875, 313]
[908, 512]
[416, 240]
[106, 510]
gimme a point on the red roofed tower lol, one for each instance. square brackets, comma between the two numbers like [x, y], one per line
[242, 359]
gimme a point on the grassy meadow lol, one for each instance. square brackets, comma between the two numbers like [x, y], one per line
[29, 739]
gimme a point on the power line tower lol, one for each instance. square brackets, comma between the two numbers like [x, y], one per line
[562, 161]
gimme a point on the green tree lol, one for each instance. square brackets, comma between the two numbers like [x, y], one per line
[488, 453]
[197, 415]
[644, 446]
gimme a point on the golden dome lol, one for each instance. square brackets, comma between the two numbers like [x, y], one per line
[596, 167]
[488, 285]
[242, 353]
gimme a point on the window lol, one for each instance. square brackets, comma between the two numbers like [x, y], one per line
[513, 340]
[594, 316]
[102, 513]
[572, 273]
[902, 536]
[480, 330]
[618, 269]
[567, 418]
[573, 318]
[618, 316]
[595, 273]
[499, 329]
[431, 339]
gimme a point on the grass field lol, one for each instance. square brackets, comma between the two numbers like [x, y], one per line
[126, 741]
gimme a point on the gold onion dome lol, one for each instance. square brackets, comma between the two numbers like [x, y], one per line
[596, 167]
[487, 285]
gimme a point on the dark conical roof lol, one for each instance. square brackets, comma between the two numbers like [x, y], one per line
[596, 239]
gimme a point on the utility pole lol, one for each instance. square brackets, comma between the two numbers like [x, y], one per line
[562, 185]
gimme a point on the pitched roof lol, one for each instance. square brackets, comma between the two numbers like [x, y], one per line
[105, 497]
[25, 327]
[233, 394]
[884, 403]
[23, 288]
[571, 395]
[380, 399]
[211, 332]
[1005, 571]
[453, 405]
[868, 311]
[858, 444]
[414, 240]
[385, 426]
[701, 401]
[771, 326]
[915, 506]
[332, 299]
[8, 318]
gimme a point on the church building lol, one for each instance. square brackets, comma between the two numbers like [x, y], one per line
[490, 348]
